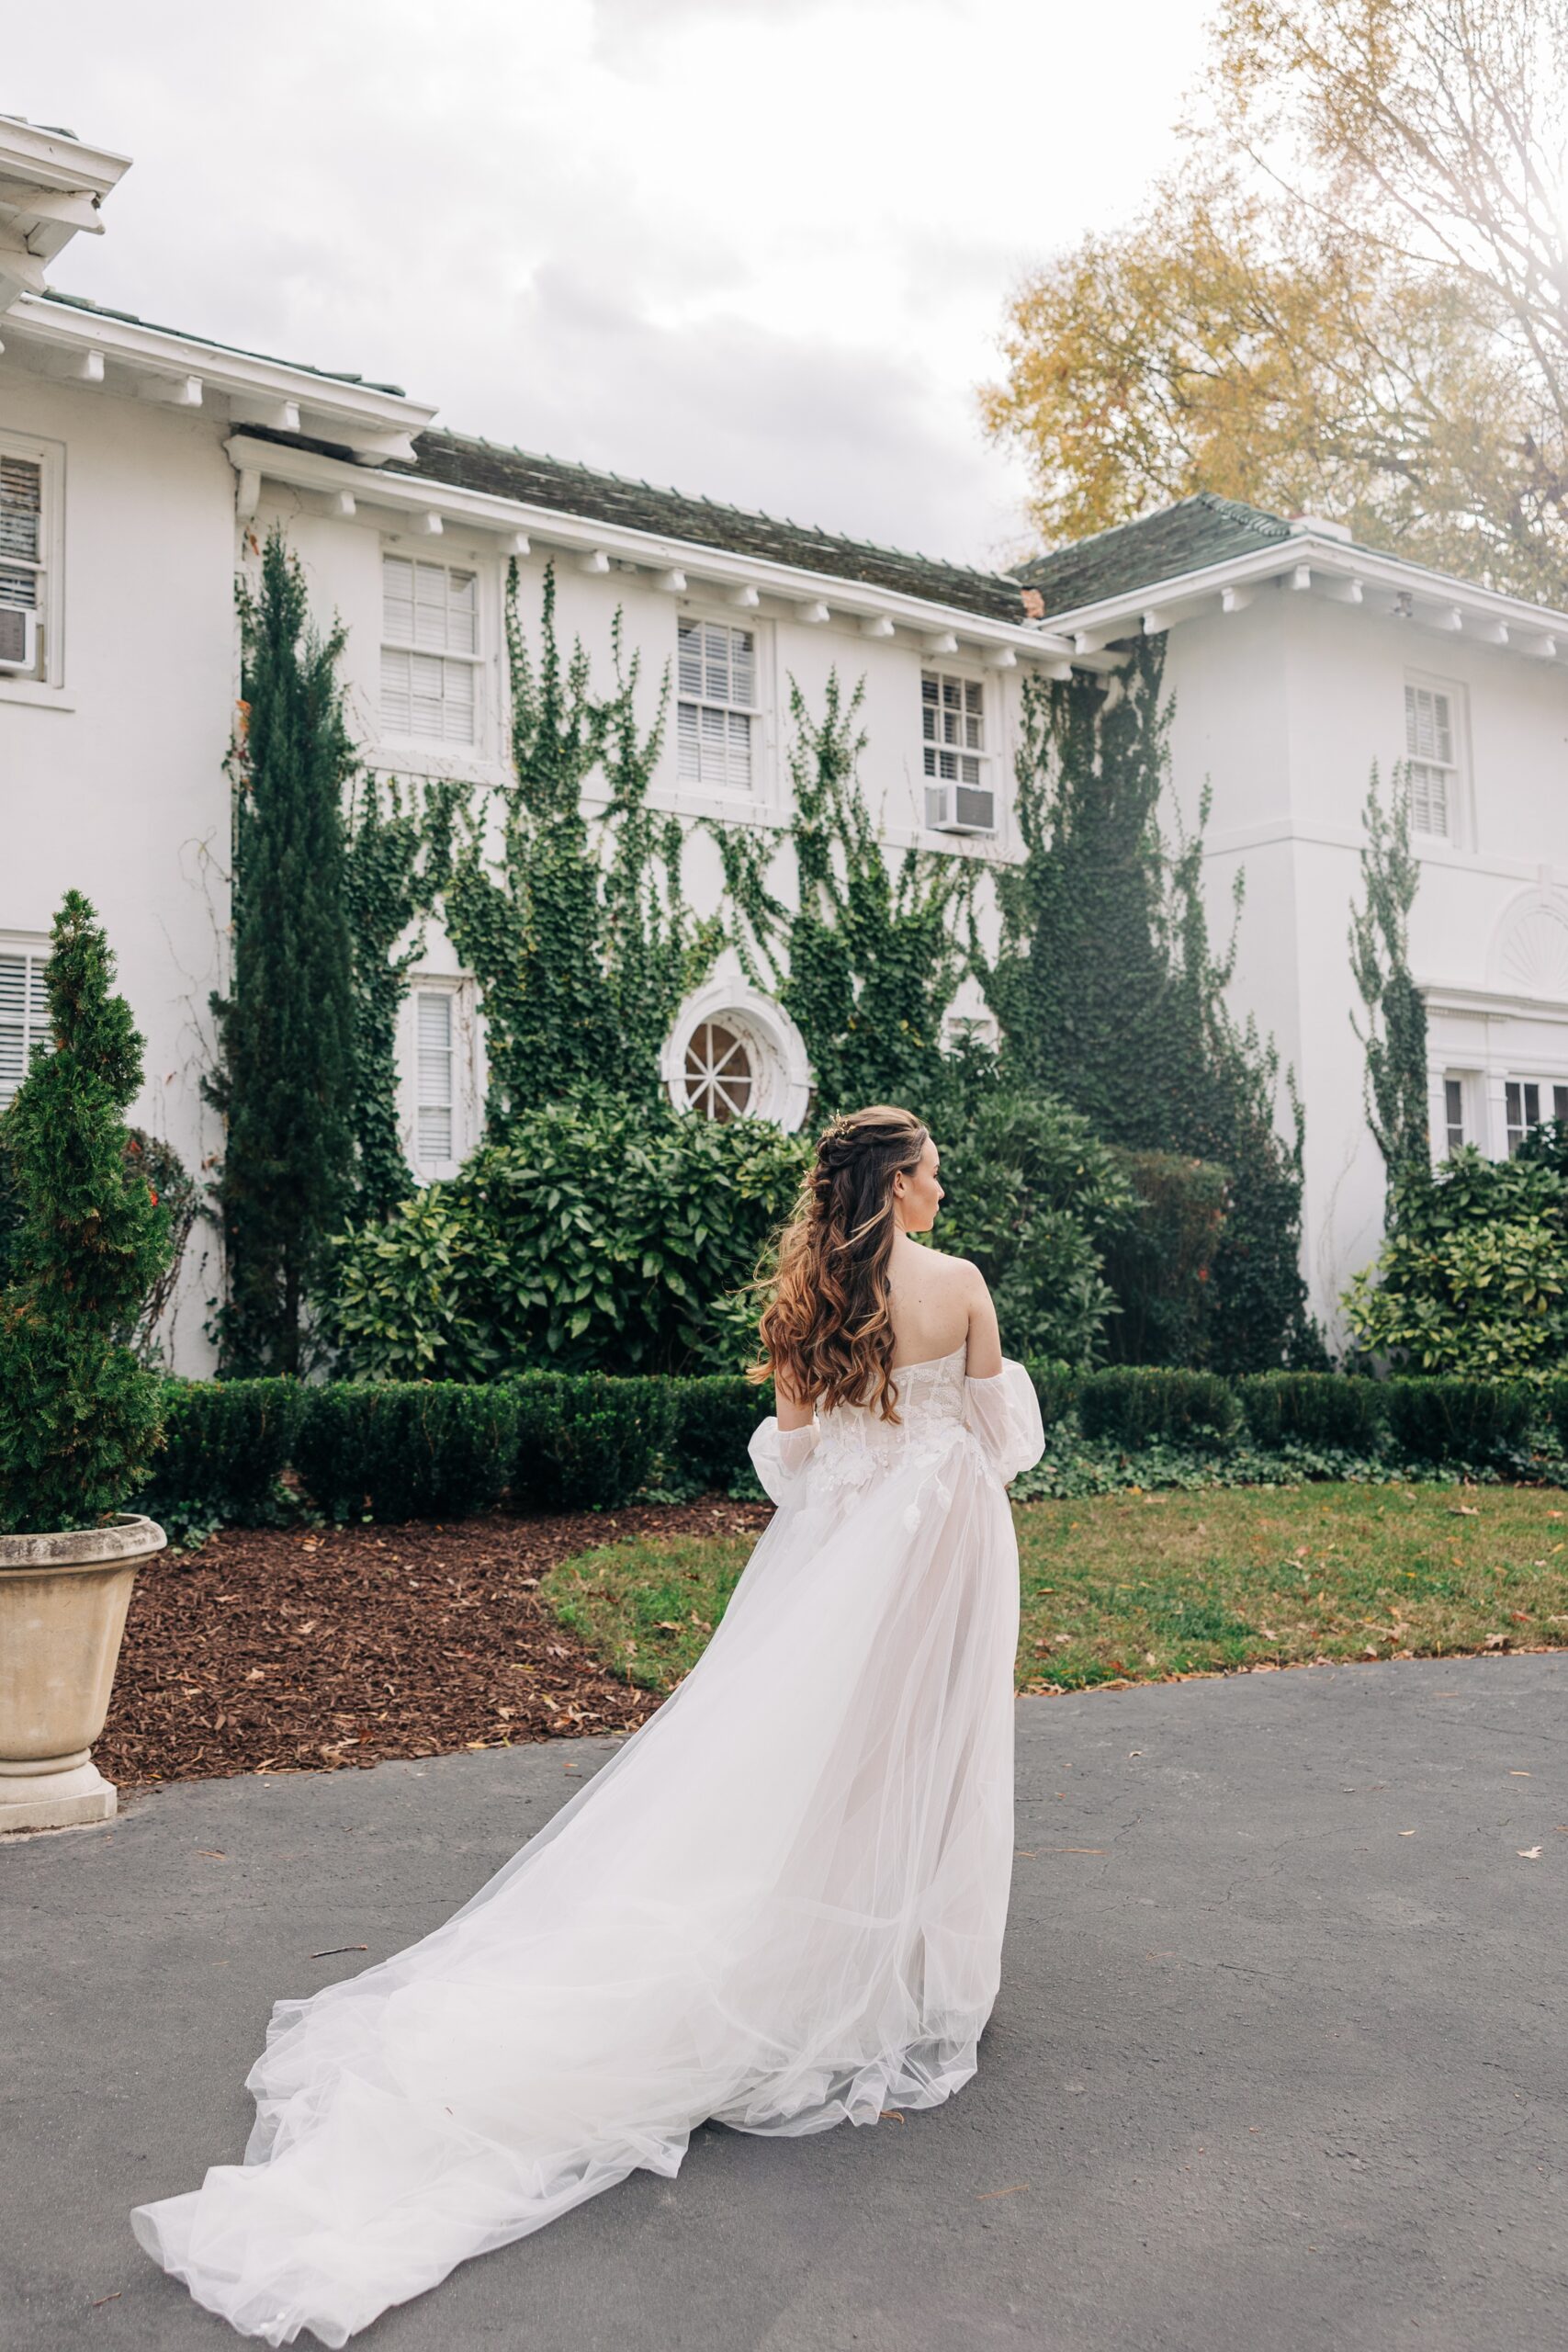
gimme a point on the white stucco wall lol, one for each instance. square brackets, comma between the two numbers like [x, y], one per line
[1285, 707]
[111, 781]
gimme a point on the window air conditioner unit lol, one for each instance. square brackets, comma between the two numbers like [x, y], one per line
[961, 808]
[18, 638]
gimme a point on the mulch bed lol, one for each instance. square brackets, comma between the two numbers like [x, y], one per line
[290, 1650]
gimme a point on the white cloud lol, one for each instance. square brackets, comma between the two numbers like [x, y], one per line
[756, 247]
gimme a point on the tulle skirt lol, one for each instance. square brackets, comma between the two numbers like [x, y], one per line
[779, 1905]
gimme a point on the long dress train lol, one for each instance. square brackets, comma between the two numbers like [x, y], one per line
[778, 1906]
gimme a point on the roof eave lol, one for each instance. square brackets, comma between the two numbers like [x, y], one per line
[420, 501]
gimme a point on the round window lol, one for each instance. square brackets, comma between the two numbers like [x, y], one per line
[720, 1079]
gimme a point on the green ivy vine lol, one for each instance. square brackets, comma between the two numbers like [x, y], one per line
[1394, 1039]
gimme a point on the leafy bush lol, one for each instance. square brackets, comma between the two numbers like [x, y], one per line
[1473, 1276]
[1313, 1408]
[596, 1238]
[1458, 1420]
[585, 1442]
[78, 1414]
[1160, 1265]
[226, 1444]
[1138, 1405]
[406, 1449]
[1035, 1199]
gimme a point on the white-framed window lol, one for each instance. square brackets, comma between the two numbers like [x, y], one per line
[435, 1092]
[952, 728]
[430, 650]
[715, 704]
[31, 540]
[1431, 755]
[24, 1008]
[440, 1085]
[1527, 1101]
[1454, 1135]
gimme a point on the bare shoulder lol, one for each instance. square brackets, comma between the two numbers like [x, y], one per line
[961, 1273]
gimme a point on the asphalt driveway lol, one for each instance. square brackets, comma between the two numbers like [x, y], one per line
[1281, 2062]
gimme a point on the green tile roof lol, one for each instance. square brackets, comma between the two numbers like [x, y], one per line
[1186, 538]
[566, 489]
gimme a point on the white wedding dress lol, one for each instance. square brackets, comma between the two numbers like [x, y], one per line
[778, 1906]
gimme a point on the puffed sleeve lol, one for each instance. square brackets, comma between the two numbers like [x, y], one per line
[1004, 1413]
[781, 1457]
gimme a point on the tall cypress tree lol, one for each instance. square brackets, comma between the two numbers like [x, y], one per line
[1395, 1039]
[1109, 994]
[286, 1029]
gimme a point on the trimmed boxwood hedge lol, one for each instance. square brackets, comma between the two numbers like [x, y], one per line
[1314, 1408]
[406, 1449]
[226, 1444]
[579, 1441]
[1451, 1419]
[586, 1439]
[1139, 1404]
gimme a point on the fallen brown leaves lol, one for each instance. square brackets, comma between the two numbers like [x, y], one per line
[270, 1650]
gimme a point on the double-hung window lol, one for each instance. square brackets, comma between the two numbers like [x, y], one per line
[953, 725]
[716, 705]
[435, 1102]
[24, 585]
[430, 650]
[1431, 760]
[1453, 1114]
[1527, 1101]
[24, 1010]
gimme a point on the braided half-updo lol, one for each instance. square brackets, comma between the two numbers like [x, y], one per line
[827, 1330]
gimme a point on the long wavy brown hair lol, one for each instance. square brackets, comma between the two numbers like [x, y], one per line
[826, 1329]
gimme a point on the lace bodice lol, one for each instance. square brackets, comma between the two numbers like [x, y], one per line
[851, 1447]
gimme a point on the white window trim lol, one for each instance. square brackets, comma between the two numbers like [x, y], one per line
[1460, 833]
[467, 1073]
[34, 943]
[1552, 1102]
[780, 1065]
[761, 794]
[437, 753]
[992, 765]
[50, 457]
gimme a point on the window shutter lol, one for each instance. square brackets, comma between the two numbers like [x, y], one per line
[21, 531]
[434, 1046]
[24, 1019]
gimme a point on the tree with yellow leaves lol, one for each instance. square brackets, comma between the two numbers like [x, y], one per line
[1351, 299]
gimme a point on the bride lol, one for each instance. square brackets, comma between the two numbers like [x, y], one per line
[779, 1905]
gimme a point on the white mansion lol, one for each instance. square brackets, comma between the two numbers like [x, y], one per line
[138, 464]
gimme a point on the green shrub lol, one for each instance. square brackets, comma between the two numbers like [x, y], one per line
[595, 1238]
[711, 1421]
[1159, 1265]
[1458, 1420]
[1055, 1385]
[1473, 1276]
[406, 1449]
[226, 1444]
[1033, 1198]
[1315, 1408]
[87, 1240]
[585, 1440]
[1141, 1404]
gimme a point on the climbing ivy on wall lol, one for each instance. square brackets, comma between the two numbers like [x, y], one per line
[1394, 1037]
[578, 933]
[868, 957]
[1110, 995]
[397, 855]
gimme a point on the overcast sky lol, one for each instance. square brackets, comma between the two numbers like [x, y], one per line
[756, 248]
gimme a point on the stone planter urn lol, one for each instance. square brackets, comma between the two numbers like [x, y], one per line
[63, 1604]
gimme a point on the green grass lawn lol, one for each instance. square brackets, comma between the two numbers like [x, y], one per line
[1140, 1587]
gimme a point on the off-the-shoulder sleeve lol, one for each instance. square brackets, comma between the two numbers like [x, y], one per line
[1004, 1413]
[781, 1457]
